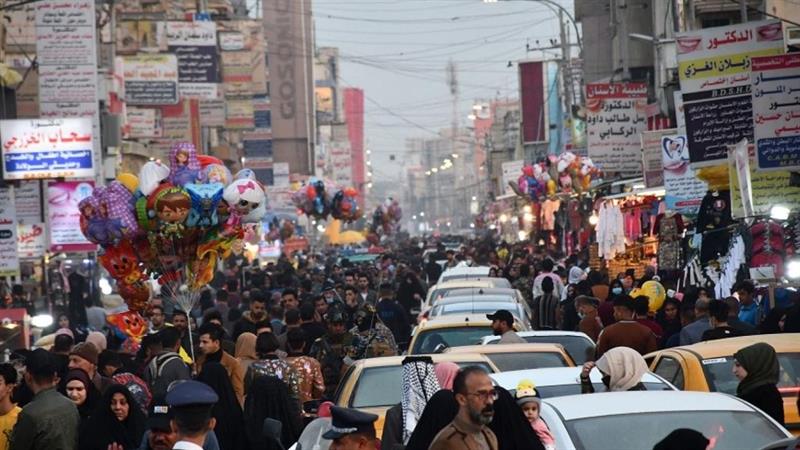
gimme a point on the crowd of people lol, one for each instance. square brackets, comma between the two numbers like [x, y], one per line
[273, 341]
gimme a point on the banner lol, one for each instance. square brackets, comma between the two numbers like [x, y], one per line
[714, 70]
[767, 188]
[776, 111]
[150, 79]
[512, 170]
[652, 161]
[31, 240]
[341, 164]
[37, 148]
[64, 218]
[533, 88]
[9, 261]
[28, 201]
[615, 117]
[684, 191]
[143, 122]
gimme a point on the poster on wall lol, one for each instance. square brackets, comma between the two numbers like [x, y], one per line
[512, 170]
[776, 111]
[47, 148]
[195, 46]
[9, 261]
[652, 161]
[683, 190]
[767, 188]
[28, 201]
[614, 119]
[714, 70]
[64, 218]
[150, 79]
[31, 240]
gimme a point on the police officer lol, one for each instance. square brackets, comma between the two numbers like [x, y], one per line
[351, 430]
[334, 350]
[191, 402]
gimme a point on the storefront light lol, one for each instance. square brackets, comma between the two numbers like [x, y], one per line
[527, 217]
[793, 269]
[593, 219]
[503, 218]
[42, 320]
[522, 235]
[527, 209]
[779, 212]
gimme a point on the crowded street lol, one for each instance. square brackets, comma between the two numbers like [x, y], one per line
[400, 225]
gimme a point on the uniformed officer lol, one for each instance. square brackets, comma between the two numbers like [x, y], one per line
[334, 350]
[351, 430]
[191, 402]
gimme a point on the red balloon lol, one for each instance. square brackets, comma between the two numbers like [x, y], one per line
[205, 160]
[135, 295]
[311, 192]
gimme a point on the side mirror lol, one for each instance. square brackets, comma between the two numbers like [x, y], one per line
[272, 430]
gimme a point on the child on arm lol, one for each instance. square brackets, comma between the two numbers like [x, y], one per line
[529, 400]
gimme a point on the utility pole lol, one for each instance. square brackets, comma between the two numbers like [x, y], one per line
[622, 35]
[566, 75]
[743, 10]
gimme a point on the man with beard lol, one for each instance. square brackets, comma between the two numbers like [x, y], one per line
[475, 395]
[181, 323]
[503, 326]
[334, 350]
[255, 318]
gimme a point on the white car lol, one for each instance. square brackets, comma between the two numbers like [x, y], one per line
[484, 304]
[578, 345]
[561, 381]
[637, 420]
[439, 290]
[471, 273]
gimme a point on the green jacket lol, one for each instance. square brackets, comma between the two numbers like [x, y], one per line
[49, 422]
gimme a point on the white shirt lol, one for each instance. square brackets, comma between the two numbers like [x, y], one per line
[186, 445]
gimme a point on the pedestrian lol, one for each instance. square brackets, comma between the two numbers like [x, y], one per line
[80, 389]
[440, 410]
[191, 403]
[254, 318]
[84, 356]
[117, 419]
[158, 320]
[744, 329]
[180, 321]
[669, 319]
[309, 323]
[393, 315]
[641, 310]
[375, 338]
[718, 318]
[749, 310]
[352, 430]
[475, 395]
[410, 292]
[334, 351]
[227, 411]
[269, 363]
[245, 351]
[622, 369]
[419, 383]
[446, 372]
[311, 384]
[758, 371]
[269, 397]
[626, 332]
[693, 332]
[166, 366]
[545, 307]
[9, 411]
[503, 326]
[531, 403]
[211, 350]
[590, 323]
[509, 424]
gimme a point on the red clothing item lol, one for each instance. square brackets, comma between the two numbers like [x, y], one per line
[606, 312]
[626, 333]
[654, 327]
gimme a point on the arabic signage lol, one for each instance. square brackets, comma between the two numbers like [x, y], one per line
[652, 161]
[683, 190]
[66, 55]
[28, 201]
[511, 172]
[239, 114]
[767, 188]
[191, 34]
[63, 217]
[212, 113]
[714, 69]
[341, 161]
[195, 45]
[614, 119]
[31, 240]
[150, 79]
[280, 173]
[9, 261]
[37, 148]
[776, 111]
[143, 122]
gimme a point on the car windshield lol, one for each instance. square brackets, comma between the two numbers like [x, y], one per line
[719, 373]
[476, 307]
[428, 340]
[575, 389]
[382, 386]
[506, 362]
[727, 429]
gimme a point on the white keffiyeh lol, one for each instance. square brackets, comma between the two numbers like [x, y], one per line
[419, 385]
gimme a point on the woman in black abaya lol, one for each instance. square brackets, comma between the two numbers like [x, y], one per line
[512, 429]
[230, 421]
[270, 397]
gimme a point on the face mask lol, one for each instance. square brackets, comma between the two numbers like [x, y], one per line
[581, 315]
[616, 291]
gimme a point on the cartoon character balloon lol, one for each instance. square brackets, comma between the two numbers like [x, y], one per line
[184, 166]
[246, 200]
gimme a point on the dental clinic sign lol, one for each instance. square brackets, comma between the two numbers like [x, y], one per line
[47, 148]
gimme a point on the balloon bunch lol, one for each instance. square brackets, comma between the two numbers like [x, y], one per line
[386, 218]
[280, 229]
[171, 223]
[565, 173]
[316, 200]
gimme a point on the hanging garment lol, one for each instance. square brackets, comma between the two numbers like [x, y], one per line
[670, 229]
[714, 216]
[549, 208]
[768, 246]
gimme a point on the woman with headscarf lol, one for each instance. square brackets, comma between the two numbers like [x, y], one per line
[509, 424]
[446, 373]
[79, 388]
[270, 397]
[758, 371]
[669, 318]
[410, 292]
[419, 385]
[117, 419]
[245, 351]
[230, 421]
[438, 413]
[622, 369]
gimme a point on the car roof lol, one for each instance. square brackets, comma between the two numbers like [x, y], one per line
[386, 361]
[483, 291]
[554, 376]
[523, 334]
[605, 404]
[507, 348]
[783, 343]
[465, 271]
[477, 299]
[455, 320]
[464, 283]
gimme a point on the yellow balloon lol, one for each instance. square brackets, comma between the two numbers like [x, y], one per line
[129, 180]
[655, 292]
[551, 187]
[716, 176]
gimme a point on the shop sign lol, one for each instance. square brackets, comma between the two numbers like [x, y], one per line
[31, 240]
[44, 148]
[683, 190]
[150, 79]
[767, 188]
[9, 261]
[63, 217]
[776, 111]
[652, 161]
[615, 116]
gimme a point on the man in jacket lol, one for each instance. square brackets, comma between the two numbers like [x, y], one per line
[393, 315]
[84, 356]
[50, 420]
[255, 318]
[693, 333]
[626, 332]
[211, 350]
[475, 395]
[166, 366]
[503, 326]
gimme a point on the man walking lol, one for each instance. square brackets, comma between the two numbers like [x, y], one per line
[503, 326]
[475, 395]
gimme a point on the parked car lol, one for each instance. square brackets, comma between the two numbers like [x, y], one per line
[508, 357]
[484, 304]
[579, 346]
[443, 332]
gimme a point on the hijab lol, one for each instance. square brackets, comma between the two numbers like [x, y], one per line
[92, 394]
[419, 385]
[624, 366]
[270, 397]
[438, 413]
[246, 347]
[446, 373]
[227, 411]
[103, 428]
[512, 429]
[761, 364]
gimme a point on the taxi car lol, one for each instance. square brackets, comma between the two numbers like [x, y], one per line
[579, 346]
[374, 385]
[484, 304]
[707, 366]
[441, 289]
[507, 357]
[435, 335]
[640, 419]
[561, 381]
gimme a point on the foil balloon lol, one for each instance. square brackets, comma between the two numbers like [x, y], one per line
[184, 168]
[129, 180]
[172, 207]
[206, 160]
[216, 173]
[246, 200]
[128, 325]
[205, 203]
[151, 175]
[245, 174]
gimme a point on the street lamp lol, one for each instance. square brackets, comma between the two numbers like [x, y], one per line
[560, 8]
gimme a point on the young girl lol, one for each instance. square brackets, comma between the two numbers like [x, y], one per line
[529, 400]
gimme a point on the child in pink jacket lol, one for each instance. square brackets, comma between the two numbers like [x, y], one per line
[529, 400]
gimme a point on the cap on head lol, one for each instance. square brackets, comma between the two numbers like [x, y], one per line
[87, 351]
[159, 415]
[191, 392]
[526, 392]
[349, 421]
[503, 316]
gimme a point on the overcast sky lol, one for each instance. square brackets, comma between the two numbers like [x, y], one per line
[397, 51]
